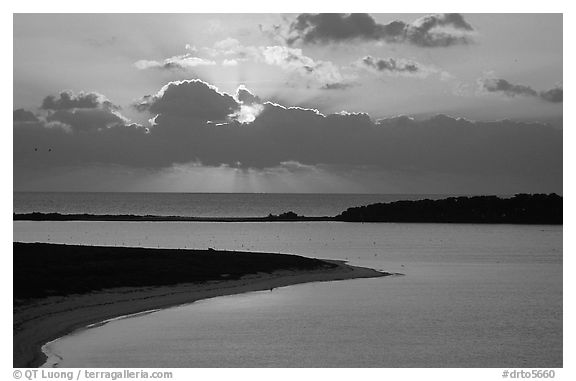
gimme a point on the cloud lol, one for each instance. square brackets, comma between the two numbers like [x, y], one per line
[394, 66]
[181, 62]
[67, 100]
[78, 138]
[554, 95]
[440, 30]
[503, 86]
[194, 122]
[227, 62]
[301, 69]
[323, 73]
[87, 119]
[250, 106]
[246, 97]
[21, 115]
[496, 85]
[338, 86]
[189, 100]
[75, 130]
[71, 112]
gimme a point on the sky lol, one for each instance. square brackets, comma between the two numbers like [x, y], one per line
[361, 103]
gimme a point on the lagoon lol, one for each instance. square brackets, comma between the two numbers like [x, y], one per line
[471, 296]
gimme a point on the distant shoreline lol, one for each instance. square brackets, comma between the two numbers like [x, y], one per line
[529, 209]
[40, 318]
[151, 218]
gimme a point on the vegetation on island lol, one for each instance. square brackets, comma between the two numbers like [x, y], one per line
[520, 209]
[42, 269]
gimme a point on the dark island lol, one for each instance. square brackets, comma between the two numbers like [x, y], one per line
[520, 209]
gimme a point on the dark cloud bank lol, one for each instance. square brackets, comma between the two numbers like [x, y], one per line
[495, 85]
[68, 100]
[194, 122]
[439, 30]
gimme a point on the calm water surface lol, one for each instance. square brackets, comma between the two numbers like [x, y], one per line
[198, 204]
[471, 296]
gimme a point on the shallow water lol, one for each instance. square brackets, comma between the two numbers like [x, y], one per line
[471, 296]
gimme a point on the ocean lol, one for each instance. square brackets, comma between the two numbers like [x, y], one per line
[470, 295]
[199, 204]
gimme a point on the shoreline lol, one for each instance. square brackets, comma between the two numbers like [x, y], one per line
[158, 218]
[48, 319]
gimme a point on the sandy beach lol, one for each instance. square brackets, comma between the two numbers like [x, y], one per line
[45, 319]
